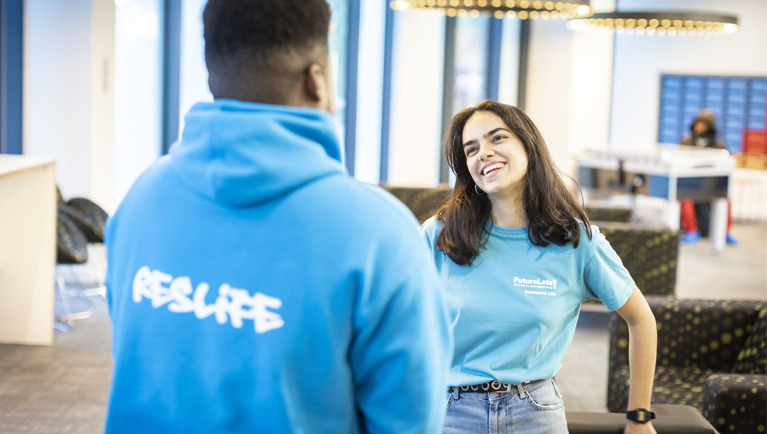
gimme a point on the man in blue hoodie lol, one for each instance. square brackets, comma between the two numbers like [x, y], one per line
[253, 286]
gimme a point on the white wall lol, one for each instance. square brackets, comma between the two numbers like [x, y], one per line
[57, 89]
[138, 91]
[548, 83]
[102, 140]
[416, 98]
[640, 61]
[590, 87]
[568, 86]
[69, 92]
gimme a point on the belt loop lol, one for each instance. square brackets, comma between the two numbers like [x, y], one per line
[455, 391]
[521, 390]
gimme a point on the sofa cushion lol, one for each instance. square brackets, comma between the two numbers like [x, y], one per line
[752, 358]
[673, 385]
[735, 403]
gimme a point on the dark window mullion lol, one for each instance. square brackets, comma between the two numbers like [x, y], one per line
[11, 52]
[383, 173]
[352, 58]
[524, 49]
[493, 71]
[171, 72]
[447, 91]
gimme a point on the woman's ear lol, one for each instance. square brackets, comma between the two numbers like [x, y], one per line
[318, 88]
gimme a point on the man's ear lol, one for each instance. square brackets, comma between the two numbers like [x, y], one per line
[315, 87]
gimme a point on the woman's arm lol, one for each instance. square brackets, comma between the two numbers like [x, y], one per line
[643, 342]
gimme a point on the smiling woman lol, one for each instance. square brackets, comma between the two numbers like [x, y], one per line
[528, 192]
[518, 257]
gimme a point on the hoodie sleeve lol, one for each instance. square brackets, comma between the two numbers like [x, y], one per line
[401, 350]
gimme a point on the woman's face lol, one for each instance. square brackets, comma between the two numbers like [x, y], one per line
[496, 158]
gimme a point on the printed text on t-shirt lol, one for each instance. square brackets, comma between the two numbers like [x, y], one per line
[537, 286]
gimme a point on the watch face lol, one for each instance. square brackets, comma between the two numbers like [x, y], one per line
[640, 415]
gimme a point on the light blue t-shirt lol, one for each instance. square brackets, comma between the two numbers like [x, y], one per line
[514, 310]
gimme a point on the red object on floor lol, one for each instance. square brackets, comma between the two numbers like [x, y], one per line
[690, 223]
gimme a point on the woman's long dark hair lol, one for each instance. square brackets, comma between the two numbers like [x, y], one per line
[550, 207]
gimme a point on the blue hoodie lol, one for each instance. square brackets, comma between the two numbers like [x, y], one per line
[254, 287]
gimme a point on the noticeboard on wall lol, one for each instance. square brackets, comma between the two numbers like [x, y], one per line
[737, 102]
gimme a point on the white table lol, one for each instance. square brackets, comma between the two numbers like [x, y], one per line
[27, 249]
[674, 174]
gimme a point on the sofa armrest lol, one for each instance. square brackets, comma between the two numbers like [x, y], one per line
[670, 419]
[706, 334]
[609, 213]
[736, 403]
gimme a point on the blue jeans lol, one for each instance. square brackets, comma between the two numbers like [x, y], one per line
[532, 408]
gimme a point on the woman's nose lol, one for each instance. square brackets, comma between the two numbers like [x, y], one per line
[485, 151]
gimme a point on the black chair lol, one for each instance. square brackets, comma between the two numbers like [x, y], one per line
[712, 355]
[71, 249]
[80, 223]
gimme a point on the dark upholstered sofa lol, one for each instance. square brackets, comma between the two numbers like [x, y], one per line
[423, 202]
[670, 419]
[712, 355]
[649, 253]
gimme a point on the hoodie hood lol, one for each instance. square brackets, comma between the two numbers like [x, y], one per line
[239, 153]
[708, 118]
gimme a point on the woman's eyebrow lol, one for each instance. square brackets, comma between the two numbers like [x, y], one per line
[486, 135]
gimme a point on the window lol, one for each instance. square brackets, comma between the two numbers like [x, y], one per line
[471, 71]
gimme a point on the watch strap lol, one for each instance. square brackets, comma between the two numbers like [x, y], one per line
[640, 415]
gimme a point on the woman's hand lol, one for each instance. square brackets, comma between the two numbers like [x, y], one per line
[639, 428]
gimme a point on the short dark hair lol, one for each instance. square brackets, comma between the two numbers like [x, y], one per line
[269, 37]
[550, 206]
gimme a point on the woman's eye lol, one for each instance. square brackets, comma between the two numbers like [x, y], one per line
[498, 138]
[471, 151]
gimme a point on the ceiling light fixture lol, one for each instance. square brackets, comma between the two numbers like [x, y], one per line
[658, 22]
[522, 9]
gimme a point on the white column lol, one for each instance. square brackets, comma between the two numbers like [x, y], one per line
[416, 99]
[369, 92]
[102, 131]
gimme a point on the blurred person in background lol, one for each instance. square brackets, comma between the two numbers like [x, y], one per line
[696, 216]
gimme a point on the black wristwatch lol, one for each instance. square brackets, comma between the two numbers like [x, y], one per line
[640, 415]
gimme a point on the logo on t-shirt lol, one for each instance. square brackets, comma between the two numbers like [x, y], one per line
[537, 286]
